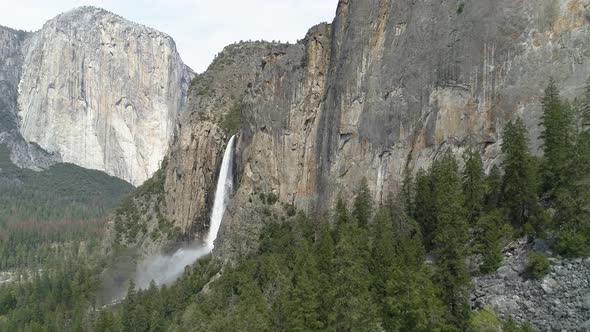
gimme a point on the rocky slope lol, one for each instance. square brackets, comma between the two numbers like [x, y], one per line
[558, 302]
[101, 92]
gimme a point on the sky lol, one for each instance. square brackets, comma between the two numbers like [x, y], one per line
[201, 28]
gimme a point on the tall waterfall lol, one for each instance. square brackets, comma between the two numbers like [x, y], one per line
[166, 269]
[224, 187]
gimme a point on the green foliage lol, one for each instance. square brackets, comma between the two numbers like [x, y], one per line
[362, 204]
[450, 239]
[537, 265]
[557, 129]
[519, 194]
[232, 121]
[50, 301]
[493, 188]
[146, 202]
[425, 211]
[44, 216]
[486, 321]
[408, 193]
[571, 195]
[353, 306]
[491, 231]
[201, 85]
[473, 185]
[411, 303]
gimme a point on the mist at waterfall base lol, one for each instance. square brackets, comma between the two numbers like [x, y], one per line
[165, 269]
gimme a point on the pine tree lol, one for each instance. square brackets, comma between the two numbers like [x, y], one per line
[557, 128]
[572, 200]
[362, 204]
[325, 259]
[128, 315]
[491, 230]
[382, 253]
[425, 215]
[407, 193]
[342, 218]
[251, 312]
[353, 306]
[493, 188]
[473, 185]
[411, 302]
[450, 239]
[304, 299]
[519, 194]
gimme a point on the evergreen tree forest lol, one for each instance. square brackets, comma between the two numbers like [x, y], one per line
[404, 265]
[51, 228]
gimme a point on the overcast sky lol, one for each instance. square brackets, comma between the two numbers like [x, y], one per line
[201, 28]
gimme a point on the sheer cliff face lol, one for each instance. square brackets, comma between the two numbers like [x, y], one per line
[393, 83]
[390, 85]
[101, 92]
[385, 88]
[22, 153]
[200, 138]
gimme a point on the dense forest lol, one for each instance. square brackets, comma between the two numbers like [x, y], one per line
[405, 265]
[51, 225]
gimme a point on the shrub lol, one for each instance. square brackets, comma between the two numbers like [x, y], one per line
[291, 211]
[573, 244]
[232, 121]
[537, 265]
[485, 321]
[271, 199]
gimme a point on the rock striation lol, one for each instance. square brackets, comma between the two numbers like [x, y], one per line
[22, 153]
[389, 85]
[101, 92]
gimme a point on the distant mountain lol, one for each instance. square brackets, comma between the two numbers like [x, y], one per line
[93, 89]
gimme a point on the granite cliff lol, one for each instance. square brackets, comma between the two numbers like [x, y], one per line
[381, 91]
[22, 153]
[95, 90]
[388, 86]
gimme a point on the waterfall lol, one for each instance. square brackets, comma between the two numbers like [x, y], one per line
[164, 269]
[224, 187]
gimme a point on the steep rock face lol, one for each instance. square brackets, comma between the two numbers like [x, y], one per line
[392, 84]
[179, 207]
[102, 92]
[22, 153]
[215, 101]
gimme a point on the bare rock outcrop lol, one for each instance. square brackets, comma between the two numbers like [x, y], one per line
[560, 301]
[22, 153]
[391, 84]
[102, 92]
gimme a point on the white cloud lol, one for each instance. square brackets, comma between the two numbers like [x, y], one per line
[201, 28]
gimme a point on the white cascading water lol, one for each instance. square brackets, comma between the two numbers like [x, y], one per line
[166, 269]
[224, 187]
